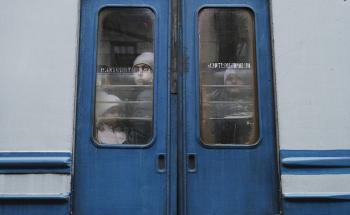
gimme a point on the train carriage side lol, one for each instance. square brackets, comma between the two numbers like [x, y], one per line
[159, 65]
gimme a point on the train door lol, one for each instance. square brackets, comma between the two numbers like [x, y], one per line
[229, 142]
[175, 109]
[122, 110]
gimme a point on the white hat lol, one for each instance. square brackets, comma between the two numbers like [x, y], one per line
[104, 102]
[146, 58]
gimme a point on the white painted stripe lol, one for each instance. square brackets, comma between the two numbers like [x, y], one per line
[313, 184]
[312, 73]
[38, 41]
[34, 184]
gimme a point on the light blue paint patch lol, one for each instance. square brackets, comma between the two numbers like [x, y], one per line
[317, 196]
[35, 162]
[41, 197]
[315, 162]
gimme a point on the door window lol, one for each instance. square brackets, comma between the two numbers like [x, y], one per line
[124, 76]
[228, 90]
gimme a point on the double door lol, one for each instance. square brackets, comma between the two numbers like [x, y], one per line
[175, 109]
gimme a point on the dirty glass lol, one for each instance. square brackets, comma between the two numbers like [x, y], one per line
[227, 68]
[124, 76]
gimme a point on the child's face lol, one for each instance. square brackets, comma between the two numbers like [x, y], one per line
[143, 74]
[108, 135]
[233, 79]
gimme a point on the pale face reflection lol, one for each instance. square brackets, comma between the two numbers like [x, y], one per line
[108, 135]
[143, 74]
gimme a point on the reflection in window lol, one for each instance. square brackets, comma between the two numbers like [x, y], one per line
[227, 76]
[124, 80]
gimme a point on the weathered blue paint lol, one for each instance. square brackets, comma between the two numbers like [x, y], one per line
[173, 161]
[316, 207]
[230, 180]
[34, 207]
[315, 162]
[121, 180]
[35, 162]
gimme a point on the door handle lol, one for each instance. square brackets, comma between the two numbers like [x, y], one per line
[161, 163]
[191, 162]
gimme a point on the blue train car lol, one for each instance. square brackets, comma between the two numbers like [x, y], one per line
[177, 107]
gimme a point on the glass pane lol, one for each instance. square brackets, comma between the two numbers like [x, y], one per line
[124, 79]
[228, 91]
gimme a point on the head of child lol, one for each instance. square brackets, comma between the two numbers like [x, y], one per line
[143, 69]
[237, 81]
[109, 129]
[110, 132]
